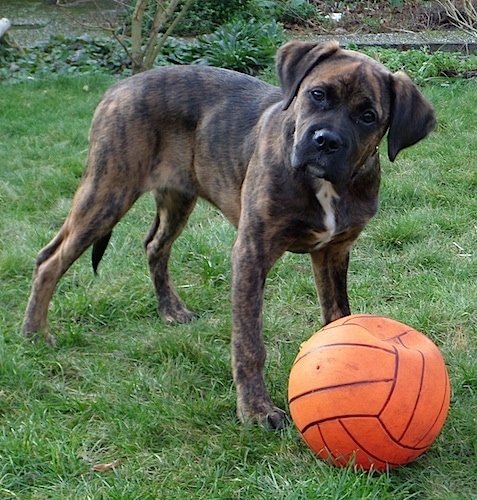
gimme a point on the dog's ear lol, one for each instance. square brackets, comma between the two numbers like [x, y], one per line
[295, 60]
[412, 116]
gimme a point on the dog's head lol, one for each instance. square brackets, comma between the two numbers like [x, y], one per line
[343, 103]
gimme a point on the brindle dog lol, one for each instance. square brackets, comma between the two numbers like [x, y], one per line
[294, 168]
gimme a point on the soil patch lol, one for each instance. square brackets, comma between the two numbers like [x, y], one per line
[362, 18]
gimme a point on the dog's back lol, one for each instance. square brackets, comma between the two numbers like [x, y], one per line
[189, 94]
[182, 127]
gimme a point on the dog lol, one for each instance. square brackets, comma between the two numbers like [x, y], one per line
[294, 168]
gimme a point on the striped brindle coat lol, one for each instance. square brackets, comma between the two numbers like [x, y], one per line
[293, 168]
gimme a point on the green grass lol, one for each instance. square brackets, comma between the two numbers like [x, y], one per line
[122, 385]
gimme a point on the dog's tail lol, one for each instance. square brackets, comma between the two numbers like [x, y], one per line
[99, 247]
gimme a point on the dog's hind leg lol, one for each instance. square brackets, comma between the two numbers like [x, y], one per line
[173, 210]
[93, 214]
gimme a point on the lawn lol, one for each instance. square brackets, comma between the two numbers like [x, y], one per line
[158, 400]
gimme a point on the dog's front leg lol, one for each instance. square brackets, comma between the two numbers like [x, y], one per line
[250, 265]
[330, 269]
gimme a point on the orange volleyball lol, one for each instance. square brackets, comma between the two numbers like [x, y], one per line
[369, 392]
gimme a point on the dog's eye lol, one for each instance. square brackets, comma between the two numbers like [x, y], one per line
[368, 117]
[318, 95]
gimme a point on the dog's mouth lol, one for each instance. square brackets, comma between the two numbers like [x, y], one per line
[315, 170]
[318, 171]
[317, 164]
[311, 166]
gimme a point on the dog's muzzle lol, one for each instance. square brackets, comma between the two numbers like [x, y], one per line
[323, 154]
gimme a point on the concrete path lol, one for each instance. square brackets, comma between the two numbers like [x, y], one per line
[448, 41]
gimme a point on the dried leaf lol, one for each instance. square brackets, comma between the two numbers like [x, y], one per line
[106, 467]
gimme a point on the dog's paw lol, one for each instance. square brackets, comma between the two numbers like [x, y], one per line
[44, 335]
[182, 315]
[273, 418]
[172, 310]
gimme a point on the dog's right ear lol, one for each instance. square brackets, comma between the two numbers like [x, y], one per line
[295, 60]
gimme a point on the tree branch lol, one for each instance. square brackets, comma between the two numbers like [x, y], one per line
[464, 18]
[155, 50]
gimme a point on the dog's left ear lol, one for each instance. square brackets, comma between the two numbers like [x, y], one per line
[295, 60]
[412, 116]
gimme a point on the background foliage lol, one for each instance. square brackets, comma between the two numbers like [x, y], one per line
[241, 34]
[243, 46]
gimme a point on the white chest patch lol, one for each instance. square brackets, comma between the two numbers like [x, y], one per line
[325, 197]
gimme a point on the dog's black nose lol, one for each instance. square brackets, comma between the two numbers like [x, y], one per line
[327, 141]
